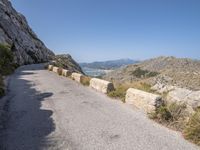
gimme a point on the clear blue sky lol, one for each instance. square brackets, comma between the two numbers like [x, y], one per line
[93, 30]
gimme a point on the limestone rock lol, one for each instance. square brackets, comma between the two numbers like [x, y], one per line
[15, 31]
[65, 61]
[185, 96]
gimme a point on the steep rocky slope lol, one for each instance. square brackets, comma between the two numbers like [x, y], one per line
[14, 31]
[26, 47]
[67, 62]
[180, 72]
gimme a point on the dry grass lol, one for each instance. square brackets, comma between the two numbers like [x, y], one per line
[85, 81]
[119, 93]
[59, 71]
[192, 129]
[177, 117]
[120, 89]
[172, 115]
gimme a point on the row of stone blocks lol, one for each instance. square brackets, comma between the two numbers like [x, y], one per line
[145, 101]
[98, 84]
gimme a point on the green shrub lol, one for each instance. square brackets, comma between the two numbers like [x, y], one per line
[140, 73]
[85, 81]
[163, 114]
[6, 62]
[119, 92]
[173, 115]
[151, 74]
[192, 130]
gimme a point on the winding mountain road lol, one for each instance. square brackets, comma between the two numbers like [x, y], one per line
[49, 112]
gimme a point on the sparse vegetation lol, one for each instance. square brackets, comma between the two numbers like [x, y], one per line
[172, 115]
[60, 71]
[176, 116]
[192, 129]
[6, 65]
[119, 92]
[140, 73]
[85, 81]
[143, 86]
[6, 62]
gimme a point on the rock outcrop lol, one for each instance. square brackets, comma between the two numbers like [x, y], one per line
[184, 96]
[15, 31]
[65, 61]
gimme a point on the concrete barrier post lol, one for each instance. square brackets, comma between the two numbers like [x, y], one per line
[66, 73]
[145, 101]
[77, 77]
[101, 85]
[55, 69]
[50, 67]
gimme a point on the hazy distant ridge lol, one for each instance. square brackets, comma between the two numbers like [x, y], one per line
[111, 64]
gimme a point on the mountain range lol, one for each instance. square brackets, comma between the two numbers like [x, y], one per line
[108, 65]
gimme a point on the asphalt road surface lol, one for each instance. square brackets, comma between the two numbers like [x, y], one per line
[50, 112]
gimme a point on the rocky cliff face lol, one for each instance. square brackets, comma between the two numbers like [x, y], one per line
[67, 62]
[15, 31]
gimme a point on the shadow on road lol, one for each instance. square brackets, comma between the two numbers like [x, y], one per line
[27, 124]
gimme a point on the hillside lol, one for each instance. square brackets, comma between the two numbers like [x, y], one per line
[67, 62]
[15, 31]
[111, 64]
[181, 72]
[19, 45]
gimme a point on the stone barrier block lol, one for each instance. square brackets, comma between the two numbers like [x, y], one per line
[55, 69]
[66, 73]
[77, 76]
[145, 101]
[101, 85]
[50, 67]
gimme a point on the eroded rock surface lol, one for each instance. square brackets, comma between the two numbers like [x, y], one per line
[15, 31]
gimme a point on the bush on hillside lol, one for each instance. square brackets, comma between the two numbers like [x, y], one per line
[85, 81]
[173, 115]
[140, 73]
[192, 130]
[119, 92]
[6, 62]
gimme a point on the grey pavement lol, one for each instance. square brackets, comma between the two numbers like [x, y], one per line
[50, 112]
